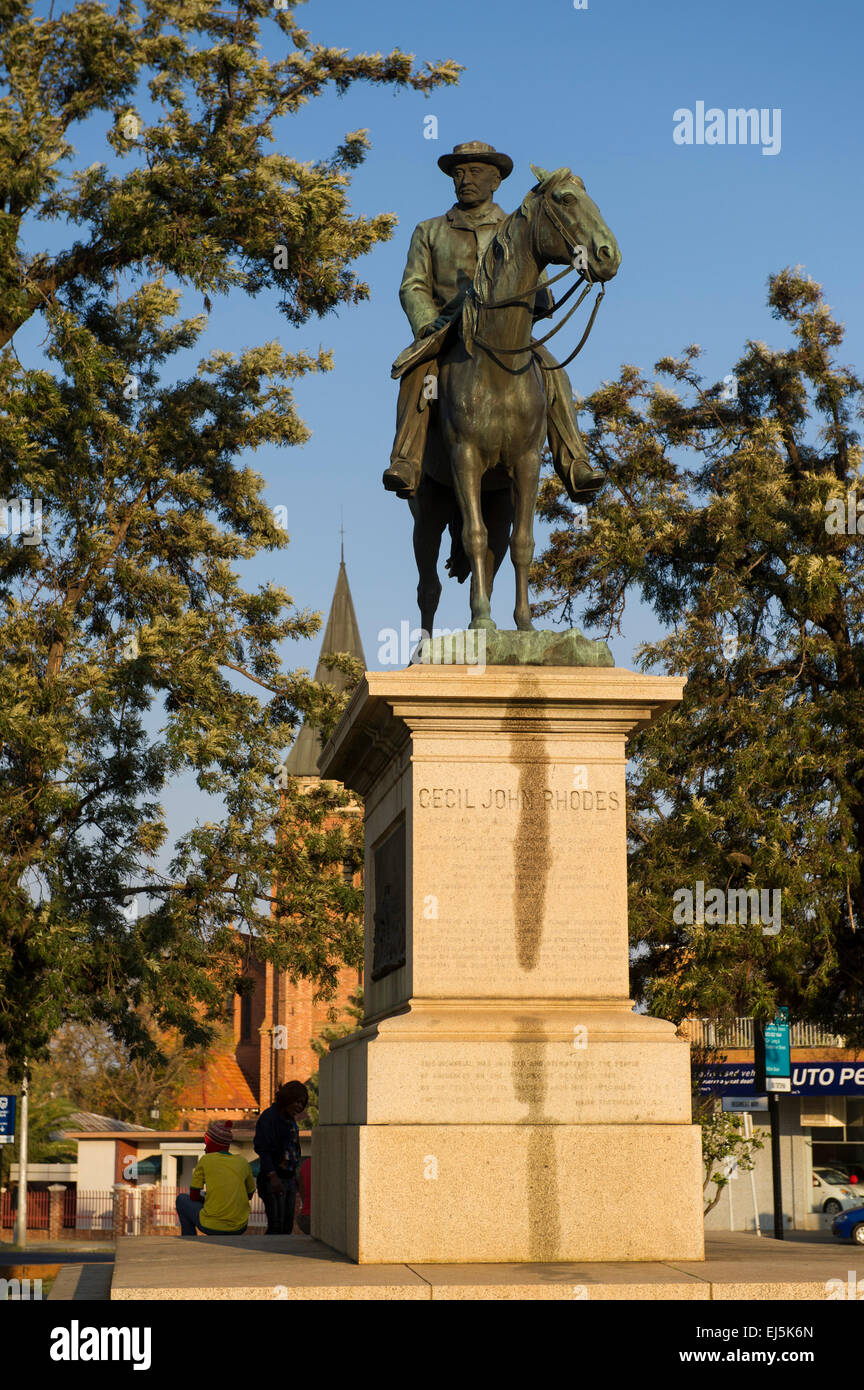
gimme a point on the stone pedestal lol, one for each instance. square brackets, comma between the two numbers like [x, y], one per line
[502, 1102]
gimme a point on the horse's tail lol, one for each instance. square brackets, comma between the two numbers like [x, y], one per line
[458, 565]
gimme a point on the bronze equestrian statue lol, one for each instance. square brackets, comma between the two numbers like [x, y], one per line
[477, 394]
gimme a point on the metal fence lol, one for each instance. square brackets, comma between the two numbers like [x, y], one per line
[91, 1212]
[38, 1209]
[739, 1033]
[166, 1222]
[105, 1211]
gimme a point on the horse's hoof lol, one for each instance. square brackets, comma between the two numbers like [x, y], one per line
[477, 623]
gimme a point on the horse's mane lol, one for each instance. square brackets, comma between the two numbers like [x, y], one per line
[484, 276]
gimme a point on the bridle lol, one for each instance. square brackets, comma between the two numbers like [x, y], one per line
[572, 247]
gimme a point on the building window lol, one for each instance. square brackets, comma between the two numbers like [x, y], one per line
[245, 1017]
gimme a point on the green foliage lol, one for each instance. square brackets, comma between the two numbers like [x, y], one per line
[191, 185]
[95, 1072]
[723, 1147]
[49, 1112]
[129, 608]
[321, 1045]
[718, 512]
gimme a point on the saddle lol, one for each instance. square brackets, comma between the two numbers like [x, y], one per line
[421, 350]
[425, 349]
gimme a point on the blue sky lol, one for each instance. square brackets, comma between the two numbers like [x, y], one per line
[700, 229]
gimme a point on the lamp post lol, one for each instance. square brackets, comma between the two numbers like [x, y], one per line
[21, 1217]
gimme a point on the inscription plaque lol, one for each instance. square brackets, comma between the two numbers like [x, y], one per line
[388, 940]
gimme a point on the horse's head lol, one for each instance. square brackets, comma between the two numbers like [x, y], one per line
[566, 218]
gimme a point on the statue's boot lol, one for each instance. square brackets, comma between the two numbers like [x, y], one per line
[581, 481]
[401, 477]
[569, 455]
[412, 424]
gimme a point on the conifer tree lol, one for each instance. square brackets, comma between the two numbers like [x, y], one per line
[128, 505]
[736, 511]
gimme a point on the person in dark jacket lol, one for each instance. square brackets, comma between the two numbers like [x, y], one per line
[277, 1144]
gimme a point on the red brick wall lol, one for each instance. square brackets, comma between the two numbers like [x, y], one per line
[304, 1020]
[248, 1053]
[122, 1153]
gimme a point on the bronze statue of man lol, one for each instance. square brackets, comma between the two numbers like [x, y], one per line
[442, 259]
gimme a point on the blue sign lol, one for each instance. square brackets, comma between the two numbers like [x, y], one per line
[808, 1079]
[7, 1119]
[777, 1045]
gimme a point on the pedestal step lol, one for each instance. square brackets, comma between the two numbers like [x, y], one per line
[509, 1062]
[491, 1193]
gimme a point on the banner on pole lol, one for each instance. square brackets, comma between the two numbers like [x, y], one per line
[7, 1119]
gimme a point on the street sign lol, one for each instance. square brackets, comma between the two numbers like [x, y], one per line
[808, 1079]
[7, 1119]
[735, 1104]
[773, 1075]
[777, 1048]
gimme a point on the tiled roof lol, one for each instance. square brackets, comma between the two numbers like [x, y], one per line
[94, 1124]
[220, 1085]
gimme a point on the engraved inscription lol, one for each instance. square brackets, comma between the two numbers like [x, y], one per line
[388, 942]
[611, 1084]
[499, 798]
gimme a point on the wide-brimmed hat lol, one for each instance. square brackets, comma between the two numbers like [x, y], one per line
[476, 152]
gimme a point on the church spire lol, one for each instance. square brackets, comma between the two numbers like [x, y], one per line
[342, 634]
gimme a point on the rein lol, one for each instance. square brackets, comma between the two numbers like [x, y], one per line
[526, 303]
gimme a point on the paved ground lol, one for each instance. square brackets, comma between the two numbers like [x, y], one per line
[298, 1267]
[71, 1271]
[57, 1254]
[82, 1283]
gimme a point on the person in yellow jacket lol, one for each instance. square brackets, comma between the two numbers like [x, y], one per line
[227, 1184]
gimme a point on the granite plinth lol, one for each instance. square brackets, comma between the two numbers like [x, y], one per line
[488, 1193]
[499, 1046]
[509, 647]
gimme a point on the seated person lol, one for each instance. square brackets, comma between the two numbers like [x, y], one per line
[227, 1182]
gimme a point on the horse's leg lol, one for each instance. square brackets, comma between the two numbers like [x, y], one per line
[467, 470]
[498, 513]
[526, 482]
[429, 508]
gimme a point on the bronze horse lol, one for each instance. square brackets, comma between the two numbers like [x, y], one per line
[481, 467]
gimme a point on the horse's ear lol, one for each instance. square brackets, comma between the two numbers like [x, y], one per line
[540, 174]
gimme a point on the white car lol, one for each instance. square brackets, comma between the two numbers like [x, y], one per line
[832, 1192]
